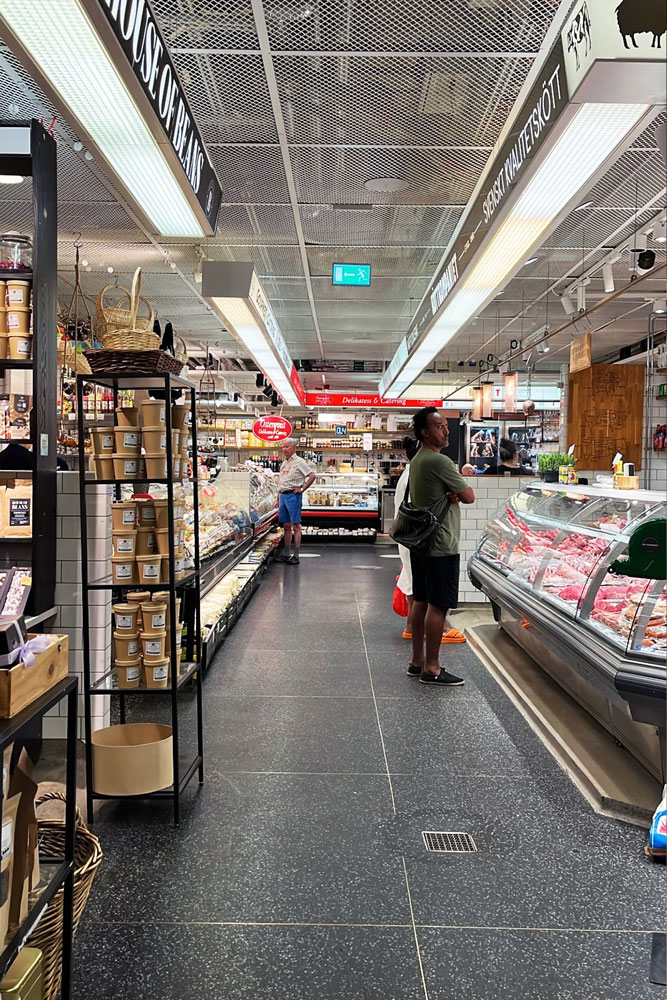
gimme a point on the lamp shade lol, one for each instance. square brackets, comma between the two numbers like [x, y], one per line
[477, 402]
[487, 399]
[511, 390]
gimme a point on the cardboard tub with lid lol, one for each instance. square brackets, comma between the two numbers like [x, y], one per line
[163, 541]
[152, 412]
[19, 345]
[136, 597]
[157, 672]
[126, 466]
[18, 293]
[128, 440]
[128, 672]
[123, 570]
[126, 616]
[103, 467]
[179, 644]
[161, 513]
[18, 320]
[146, 511]
[162, 597]
[156, 466]
[150, 568]
[154, 439]
[126, 647]
[103, 441]
[124, 542]
[154, 615]
[180, 416]
[146, 542]
[176, 465]
[153, 646]
[123, 514]
[127, 416]
[133, 758]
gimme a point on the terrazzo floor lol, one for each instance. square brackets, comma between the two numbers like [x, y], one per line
[298, 870]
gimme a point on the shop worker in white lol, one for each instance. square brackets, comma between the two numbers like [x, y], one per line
[294, 479]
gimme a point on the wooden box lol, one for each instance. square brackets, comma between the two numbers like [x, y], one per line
[627, 482]
[21, 685]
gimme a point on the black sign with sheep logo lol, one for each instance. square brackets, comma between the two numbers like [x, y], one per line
[579, 33]
[637, 18]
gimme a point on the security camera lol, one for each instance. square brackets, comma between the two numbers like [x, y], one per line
[526, 357]
[641, 260]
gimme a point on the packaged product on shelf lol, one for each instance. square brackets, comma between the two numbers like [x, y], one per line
[12, 638]
[19, 417]
[18, 591]
[9, 812]
[16, 508]
[25, 840]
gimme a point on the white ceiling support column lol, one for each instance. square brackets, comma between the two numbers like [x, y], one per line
[272, 83]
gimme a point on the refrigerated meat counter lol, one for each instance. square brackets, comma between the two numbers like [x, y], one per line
[569, 585]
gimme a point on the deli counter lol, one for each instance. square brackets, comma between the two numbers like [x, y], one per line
[342, 505]
[571, 575]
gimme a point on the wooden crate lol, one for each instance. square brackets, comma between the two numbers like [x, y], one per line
[21, 685]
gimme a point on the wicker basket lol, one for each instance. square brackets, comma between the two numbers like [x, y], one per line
[47, 936]
[181, 351]
[117, 317]
[105, 362]
[74, 360]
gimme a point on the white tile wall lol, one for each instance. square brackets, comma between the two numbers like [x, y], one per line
[68, 595]
[490, 495]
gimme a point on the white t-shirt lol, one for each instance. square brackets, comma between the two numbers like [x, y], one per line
[404, 582]
[293, 473]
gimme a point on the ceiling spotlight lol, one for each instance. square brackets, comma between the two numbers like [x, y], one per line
[88, 156]
[267, 391]
[567, 304]
[110, 269]
[387, 185]
[172, 265]
[11, 179]
[608, 278]
[581, 298]
[543, 349]
[641, 259]
[582, 208]
[531, 260]
[84, 262]
[88, 267]
[501, 292]
[274, 400]
[659, 306]
[259, 380]
[660, 232]
[78, 146]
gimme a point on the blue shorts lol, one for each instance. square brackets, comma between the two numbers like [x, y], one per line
[289, 508]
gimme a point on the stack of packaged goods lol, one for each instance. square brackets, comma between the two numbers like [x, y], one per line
[142, 640]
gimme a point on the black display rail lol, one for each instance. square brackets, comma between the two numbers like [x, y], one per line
[185, 767]
[58, 873]
[234, 609]
[27, 149]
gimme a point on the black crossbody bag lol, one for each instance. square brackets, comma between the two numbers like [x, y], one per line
[416, 527]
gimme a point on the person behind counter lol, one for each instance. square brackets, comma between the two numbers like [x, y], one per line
[509, 461]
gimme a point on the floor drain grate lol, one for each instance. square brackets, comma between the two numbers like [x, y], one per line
[448, 843]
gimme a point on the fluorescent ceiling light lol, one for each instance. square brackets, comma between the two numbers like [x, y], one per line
[582, 208]
[236, 313]
[67, 50]
[11, 179]
[592, 134]
[531, 260]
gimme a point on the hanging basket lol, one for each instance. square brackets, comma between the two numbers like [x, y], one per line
[117, 316]
[105, 362]
[48, 934]
[181, 351]
[69, 357]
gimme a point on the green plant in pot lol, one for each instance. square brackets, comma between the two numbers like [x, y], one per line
[548, 466]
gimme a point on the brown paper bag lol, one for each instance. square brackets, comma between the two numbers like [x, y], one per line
[16, 509]
[9, 813]
[24, 844]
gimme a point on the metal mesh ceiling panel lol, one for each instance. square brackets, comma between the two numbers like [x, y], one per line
[256, 224]
[385, 262]
[385, 225]
[408, 25]
[337, 176]
[382, 289]
[267, 260]
[207, 23]
[234, 88]
[341, 99]
[250, 174]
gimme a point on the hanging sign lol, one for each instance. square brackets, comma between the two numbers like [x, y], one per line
[351, 274]
[366, 399]
[580, 353]
[137, 31]
[272, 429]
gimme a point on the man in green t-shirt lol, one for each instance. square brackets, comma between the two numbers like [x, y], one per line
[436, 483]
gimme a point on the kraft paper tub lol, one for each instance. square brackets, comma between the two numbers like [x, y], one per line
[126, 467]
[146, 542]
[128, 440]
[104, 467]
[20, 344]
[180, 416]
[123, 570]
[162, 597]
[176, 465]
[128, 672]
[154, 615]
[127, 416]
[123, 514]
[156, 465]
[4, 340]
[150, 568]
[157, 672]
[103, 441]
[127, 617]
[161, 513]
[132, 759]
[152, 412]
[146, 511]
[18, 293]
[126, 647]
[179, 646]
[153, 646]
[155, 439]
[175, 440]
[163, 541]
[18, 320]
[124, 542]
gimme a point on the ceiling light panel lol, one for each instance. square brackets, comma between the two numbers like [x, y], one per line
[407, 25]
[91, 89]
[381, 100]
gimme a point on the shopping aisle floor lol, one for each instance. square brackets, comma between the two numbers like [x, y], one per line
[299, 869]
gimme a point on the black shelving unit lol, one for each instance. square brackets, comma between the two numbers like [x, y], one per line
[61, 870]
[27, 149]
[188, 588]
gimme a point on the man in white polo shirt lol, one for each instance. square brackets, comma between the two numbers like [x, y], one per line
[294, 479]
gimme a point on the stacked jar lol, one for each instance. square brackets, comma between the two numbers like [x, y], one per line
[15, 319]
[142, 641]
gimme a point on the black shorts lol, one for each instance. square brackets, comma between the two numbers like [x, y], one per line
[435, 579]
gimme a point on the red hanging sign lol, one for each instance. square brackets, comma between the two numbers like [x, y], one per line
[366, 399]
[272, 429]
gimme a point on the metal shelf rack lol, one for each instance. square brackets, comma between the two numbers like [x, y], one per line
[188, 588]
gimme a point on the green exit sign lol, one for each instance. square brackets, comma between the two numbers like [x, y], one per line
[351, 274]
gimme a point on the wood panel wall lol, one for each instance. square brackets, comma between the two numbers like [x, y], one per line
[605, 414]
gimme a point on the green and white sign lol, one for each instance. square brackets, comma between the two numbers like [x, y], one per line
[351, 274]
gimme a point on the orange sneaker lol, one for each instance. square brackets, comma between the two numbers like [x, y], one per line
[407, 633]
[526, 624]
[453, 635]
